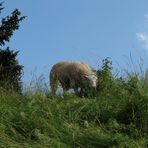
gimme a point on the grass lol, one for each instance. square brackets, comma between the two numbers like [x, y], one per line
[116, 117]
[35, 120]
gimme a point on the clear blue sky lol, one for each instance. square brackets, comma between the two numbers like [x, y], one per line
[79, 30]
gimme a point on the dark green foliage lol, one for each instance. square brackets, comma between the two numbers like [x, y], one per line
[9, 24]
[105, 78]
[10, 70]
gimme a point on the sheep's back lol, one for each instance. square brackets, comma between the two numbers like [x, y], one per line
[71, 69]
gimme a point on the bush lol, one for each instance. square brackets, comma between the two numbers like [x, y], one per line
[105, 77]
[10, 70]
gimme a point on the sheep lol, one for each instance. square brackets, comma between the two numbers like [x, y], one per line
[76, 75]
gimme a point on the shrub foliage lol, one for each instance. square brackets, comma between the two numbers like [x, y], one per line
[10, 69]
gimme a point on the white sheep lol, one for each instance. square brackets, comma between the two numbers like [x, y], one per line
[76, 75]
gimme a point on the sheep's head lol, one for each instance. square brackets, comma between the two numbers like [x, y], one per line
[91, 80]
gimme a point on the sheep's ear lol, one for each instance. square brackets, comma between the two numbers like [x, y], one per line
[85, 76]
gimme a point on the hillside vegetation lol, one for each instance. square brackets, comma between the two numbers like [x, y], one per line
[116, 116]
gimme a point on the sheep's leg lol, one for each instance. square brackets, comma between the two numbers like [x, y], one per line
[64, 90]
[82, 92]
[78, 91]
[54, 87]
[53, 84]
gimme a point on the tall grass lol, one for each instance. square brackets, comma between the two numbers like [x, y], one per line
[117, 116]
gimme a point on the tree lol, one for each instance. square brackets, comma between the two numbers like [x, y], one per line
[10, 70]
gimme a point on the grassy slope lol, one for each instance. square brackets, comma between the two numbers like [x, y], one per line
[116, 117]
[109, 120]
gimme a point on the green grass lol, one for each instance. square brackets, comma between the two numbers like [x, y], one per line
[115, 117]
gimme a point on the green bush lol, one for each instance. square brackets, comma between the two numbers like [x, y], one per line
[10, 70]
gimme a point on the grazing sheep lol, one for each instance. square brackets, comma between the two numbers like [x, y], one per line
[76, 75]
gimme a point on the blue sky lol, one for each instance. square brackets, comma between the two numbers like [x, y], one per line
[79, 30]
